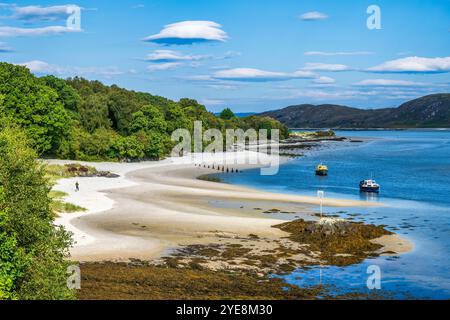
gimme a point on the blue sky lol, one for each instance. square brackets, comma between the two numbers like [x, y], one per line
[250, 55]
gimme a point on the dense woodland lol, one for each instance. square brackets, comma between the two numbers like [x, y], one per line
[87, 120]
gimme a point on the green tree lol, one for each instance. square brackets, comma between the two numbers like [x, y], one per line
[94, 112]
[68, 96]
[28, 102]
[227, 114]
[128, 148]
[257, 123]
[148, 118]
[12, 263]
[33, 251]
[121, 105]
[156, 146]
[96, 146]
[177, 119]
[197, 112]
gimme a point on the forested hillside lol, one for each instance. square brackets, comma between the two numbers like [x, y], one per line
[87, 120]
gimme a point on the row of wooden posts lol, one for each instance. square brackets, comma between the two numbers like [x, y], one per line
[218, 168]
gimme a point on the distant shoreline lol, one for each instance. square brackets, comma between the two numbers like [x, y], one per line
[374, 129]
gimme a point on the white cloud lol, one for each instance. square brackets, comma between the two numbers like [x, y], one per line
[230, 54]
[326, 67]
[313, 15]
[324, 80]
[388, 83]
[209, 81]
[340, 53]
[38, 13]
[257, 75]
[189, 32]
[37, 66]
[5, 48]
[304, 74]
[212, 102]
[360, 93]
[42, 67]
[317, 94]
[165, 56]
[221, 86]
[249, 74]
[414, 65]
[164, 66]
[221, 67]
[32, 32]
[199, 78]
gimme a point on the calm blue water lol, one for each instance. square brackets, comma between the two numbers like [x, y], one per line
[413, 168]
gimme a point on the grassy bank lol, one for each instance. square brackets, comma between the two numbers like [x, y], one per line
[53, 173]
[58, 205]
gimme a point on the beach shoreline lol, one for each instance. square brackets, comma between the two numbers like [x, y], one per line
[153, 208]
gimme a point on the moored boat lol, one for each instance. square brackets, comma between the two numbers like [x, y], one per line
[369, 186]
[321, 170]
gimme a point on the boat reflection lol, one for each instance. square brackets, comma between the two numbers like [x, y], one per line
[369, 196]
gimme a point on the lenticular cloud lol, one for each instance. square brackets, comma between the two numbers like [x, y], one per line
[189, 32]
[414, 65]
[257, 75]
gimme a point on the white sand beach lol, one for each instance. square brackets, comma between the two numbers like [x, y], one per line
[157, 206]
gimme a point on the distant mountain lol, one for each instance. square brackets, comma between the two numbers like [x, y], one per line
[432, 111]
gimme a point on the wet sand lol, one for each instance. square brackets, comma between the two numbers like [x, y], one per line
[155, 207]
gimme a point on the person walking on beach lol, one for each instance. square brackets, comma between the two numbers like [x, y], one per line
[77, 186]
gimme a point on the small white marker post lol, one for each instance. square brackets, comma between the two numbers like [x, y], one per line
[321, 195]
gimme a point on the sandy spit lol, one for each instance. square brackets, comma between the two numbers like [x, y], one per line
[155, 207]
